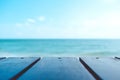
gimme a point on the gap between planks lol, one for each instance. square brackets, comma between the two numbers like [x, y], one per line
[92, 72]
[24, 70]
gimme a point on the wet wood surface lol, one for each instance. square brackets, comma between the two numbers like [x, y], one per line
[105, 67]
[60, 68]
[9, 67]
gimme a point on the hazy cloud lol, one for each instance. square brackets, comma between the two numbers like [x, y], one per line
[110, 1]
[41, 18]
[31, 20]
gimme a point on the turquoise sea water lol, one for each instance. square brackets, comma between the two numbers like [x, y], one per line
[59, 47]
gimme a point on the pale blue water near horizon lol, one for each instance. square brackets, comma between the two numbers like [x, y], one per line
[59, 47]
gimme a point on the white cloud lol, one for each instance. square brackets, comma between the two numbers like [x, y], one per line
[110, 1]
[31, 20]
[41, 18]
[104, 26]
[108, 20]
[89, 23]
[111, 19]
[28, 22]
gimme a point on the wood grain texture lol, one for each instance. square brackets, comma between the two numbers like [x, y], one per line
[57, 68]
[9, 67]
[107, 68]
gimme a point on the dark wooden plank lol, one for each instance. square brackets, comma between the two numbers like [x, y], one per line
[106, 68]
[55, 68]
[12, 66]
[19, 74]
[93, 73]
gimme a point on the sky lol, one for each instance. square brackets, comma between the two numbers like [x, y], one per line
[59, 19]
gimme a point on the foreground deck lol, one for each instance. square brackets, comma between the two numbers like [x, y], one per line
[59, 68]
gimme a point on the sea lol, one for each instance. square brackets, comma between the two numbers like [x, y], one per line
[59, 47]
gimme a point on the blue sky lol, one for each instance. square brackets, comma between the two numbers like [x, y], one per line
[59, 19]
